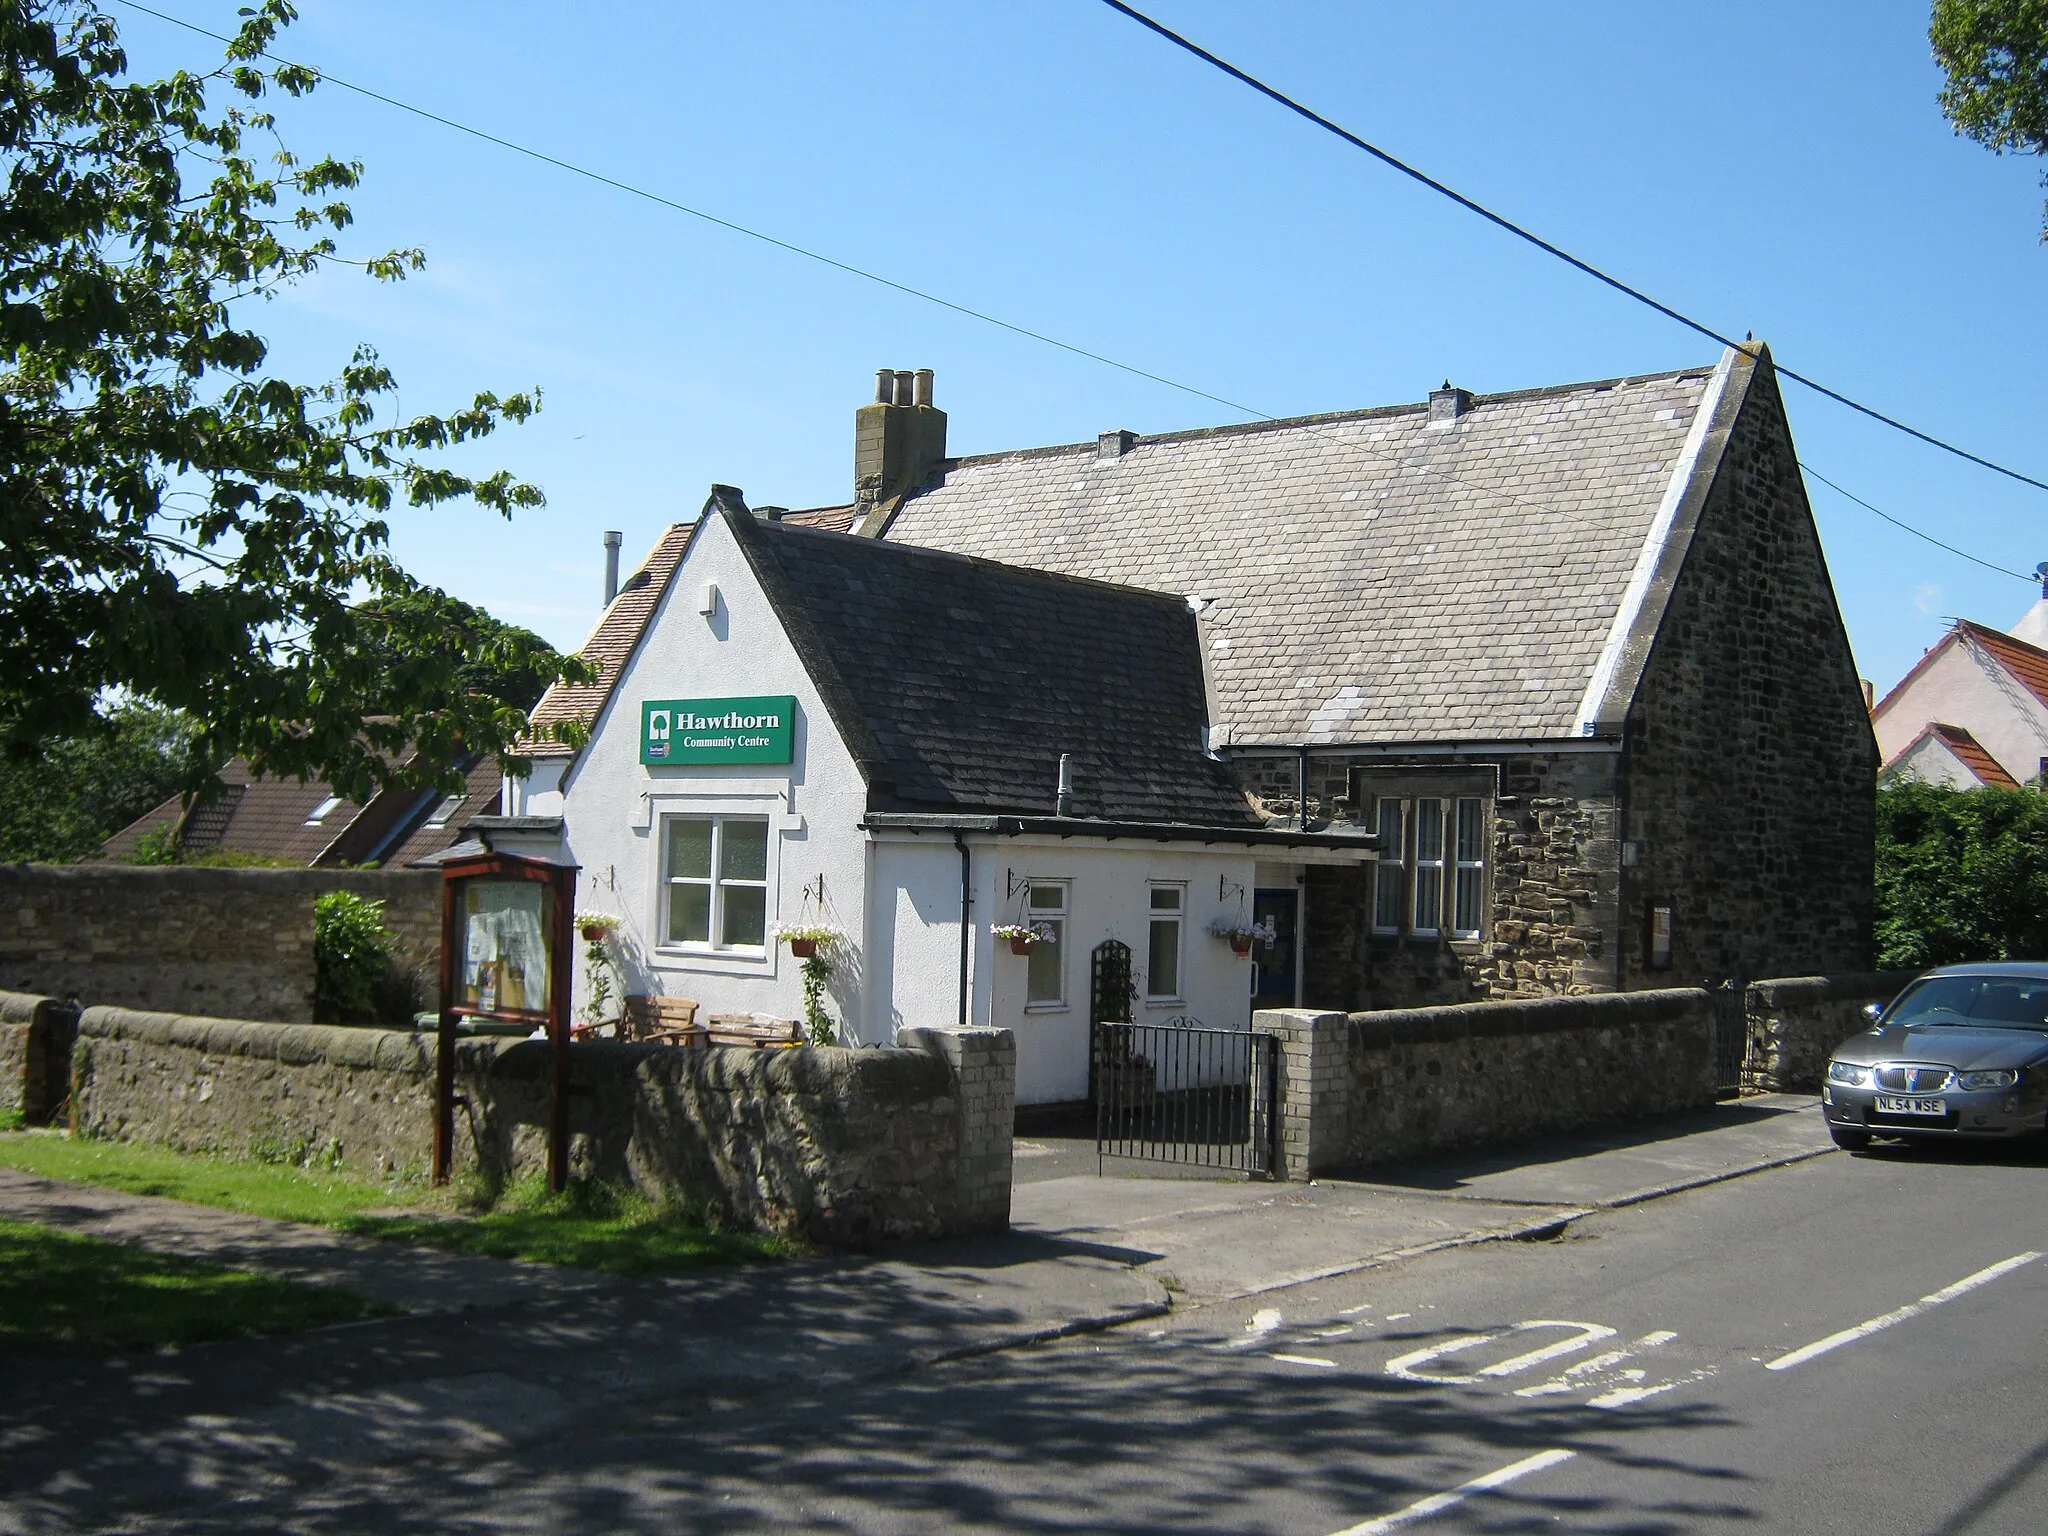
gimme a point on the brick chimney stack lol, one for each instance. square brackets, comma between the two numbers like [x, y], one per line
[897, 440]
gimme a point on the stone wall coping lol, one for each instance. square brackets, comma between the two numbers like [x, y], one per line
[1524, 1016]
[22, 1007]
[176, 877]
[297, 1045]
[1861, 986]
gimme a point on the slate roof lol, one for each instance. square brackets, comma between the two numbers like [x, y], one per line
[267, 818]
[609, 645]
[959, 682]
[1372, 577]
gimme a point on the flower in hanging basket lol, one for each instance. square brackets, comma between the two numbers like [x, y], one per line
[1241, 936]
[806, 939]
[596, 926]
[1023, 937]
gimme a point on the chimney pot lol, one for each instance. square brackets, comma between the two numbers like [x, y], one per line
[885, 385]
[921, 387]
[1114, 445]
[1446, 405]
[904, 386]
[897, 441]
[612, 540]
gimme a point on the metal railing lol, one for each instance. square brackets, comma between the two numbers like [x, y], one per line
[1180, 1092]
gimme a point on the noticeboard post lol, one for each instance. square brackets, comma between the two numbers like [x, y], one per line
[507, 955]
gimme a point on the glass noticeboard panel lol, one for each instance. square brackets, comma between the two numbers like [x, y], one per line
[504, 927]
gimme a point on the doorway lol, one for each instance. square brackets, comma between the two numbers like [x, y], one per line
[1274, 965]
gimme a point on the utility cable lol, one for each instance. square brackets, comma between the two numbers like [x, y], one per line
[1543, 245]
[1053, 341]
[1908, 527]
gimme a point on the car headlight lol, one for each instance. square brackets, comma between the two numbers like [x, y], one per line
[1848, 1072]
[2003, 1077]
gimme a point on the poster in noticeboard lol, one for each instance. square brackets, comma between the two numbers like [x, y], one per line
[750, 730]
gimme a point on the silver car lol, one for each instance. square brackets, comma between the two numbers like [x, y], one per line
[1963, 1051]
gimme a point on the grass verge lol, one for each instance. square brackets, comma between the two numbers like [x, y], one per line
[590, 1225]
[59, 1289]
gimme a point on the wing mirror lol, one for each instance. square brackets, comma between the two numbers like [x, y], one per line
[1872, 1010]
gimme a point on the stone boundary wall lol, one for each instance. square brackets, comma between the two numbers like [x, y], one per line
[844, 1147]
[228, 942]
[36, 1034]
[1370, 1088]
[1796, 1022]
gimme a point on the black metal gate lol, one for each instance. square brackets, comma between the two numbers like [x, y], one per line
[1731, 1036]
[1180, 1092]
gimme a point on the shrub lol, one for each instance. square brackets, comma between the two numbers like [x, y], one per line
[1961, 875]
[357, 980]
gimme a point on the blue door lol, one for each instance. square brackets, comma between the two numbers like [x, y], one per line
[1273, 964]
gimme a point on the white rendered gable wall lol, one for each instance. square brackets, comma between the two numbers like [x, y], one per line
[613, 805]
[1962, 686]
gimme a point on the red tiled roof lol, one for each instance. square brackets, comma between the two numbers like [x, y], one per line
[1966, 749]
[609, 645]
[2026, 662]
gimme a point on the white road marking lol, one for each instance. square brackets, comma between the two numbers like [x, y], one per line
[1652, 1340]
[1403, 1366]
[1437, 1503]
[1588, 1334]
[1328, 1365]
[1333, 1333]
[1395, 1317]
[1365, 1306]
[1621, 1397]
[1912, 1309]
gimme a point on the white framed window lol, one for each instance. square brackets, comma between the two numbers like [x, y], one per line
[1045, 909]
[1390, 874]
[1468, 888]
[445, 812]
[1427, 916]
[1163, 947]
[715, 882]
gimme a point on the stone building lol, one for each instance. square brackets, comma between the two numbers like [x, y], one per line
[1572, 653]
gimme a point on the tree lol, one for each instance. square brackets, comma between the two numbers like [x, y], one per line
[177, 522]
[1961, 875]
[1995, 54]
[86, 788]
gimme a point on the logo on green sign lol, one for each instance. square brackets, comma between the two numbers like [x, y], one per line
[717, 730]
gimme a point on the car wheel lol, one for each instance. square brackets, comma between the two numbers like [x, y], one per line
[1850, 1141]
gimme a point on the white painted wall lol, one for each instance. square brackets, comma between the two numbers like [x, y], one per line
[1959, 687]
[913, 937]
[613, 805]
[1933, 763]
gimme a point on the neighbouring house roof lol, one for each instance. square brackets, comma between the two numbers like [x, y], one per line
[270, 818]
[2027, 664]
[1368, 575]
[838, 519]
[610, 645]
[959, 682]
[1961, 746]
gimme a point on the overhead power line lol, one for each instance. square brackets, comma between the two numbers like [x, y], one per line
[1018, 330]
[1930, 538]
[1543, 245]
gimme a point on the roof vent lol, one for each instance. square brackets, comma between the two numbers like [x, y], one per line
[772, 514]
[1446, 405]
[612, 540]
[1114, 445]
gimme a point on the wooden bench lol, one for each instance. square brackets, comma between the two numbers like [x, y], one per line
[655, 1020]
[753, 1029]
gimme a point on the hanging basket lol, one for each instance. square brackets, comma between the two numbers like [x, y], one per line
[803, 949]
[1241, 945]
[595, 932]
[1022, 946]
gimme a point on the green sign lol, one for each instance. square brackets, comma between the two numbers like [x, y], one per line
[717, 730]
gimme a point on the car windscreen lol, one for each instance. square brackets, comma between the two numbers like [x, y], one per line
[1998, 1002]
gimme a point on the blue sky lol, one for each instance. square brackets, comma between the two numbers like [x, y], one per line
[1781, 169]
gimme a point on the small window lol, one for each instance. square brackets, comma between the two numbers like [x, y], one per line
[445, 811]
[716, 875]
[1467, 888]
[323, 810]
[1390, 882]
[1162, 968]
[1045, 981]
[1429, 867]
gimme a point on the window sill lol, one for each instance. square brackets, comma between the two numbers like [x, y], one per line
[1047, 1007]
[1166, 1002]
[733, 962]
